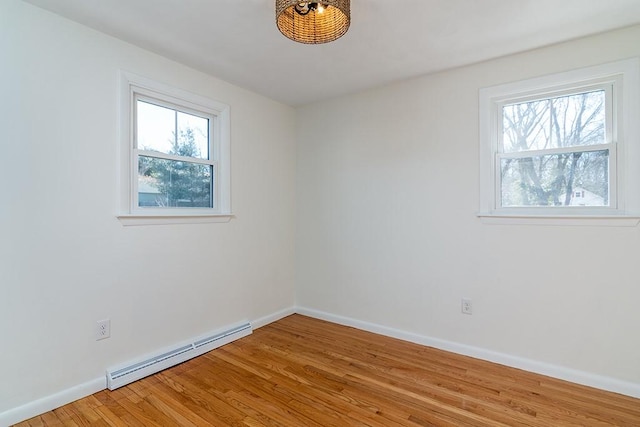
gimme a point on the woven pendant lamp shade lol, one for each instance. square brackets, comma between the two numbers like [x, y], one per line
[316, 26]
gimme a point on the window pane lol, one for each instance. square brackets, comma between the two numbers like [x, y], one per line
[170, 183]
[565, 121]
[156, 131]
[568, 179]
[156, 127]
[526, 126]
[194, 133]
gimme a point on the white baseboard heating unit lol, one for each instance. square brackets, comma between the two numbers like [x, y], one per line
[134, 371]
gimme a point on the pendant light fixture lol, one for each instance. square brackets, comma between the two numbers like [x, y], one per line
[313, 22]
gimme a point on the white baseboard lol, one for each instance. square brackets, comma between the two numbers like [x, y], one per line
[560, 372]
[48, 403]
[40, 406]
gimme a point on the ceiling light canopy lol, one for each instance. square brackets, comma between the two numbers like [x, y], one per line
[313, 22]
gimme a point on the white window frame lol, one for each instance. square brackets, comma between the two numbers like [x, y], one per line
[132, 88]
[622, 139]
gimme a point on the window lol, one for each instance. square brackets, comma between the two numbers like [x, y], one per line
[549, 146]
[175, 155]
[560, 145]
[172, 155]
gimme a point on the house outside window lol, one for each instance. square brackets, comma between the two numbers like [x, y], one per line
[561, 145]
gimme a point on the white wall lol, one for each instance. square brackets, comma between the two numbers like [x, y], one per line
[66, 261]
[387, 192]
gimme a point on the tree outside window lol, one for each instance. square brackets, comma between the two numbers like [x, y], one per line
[553, 146]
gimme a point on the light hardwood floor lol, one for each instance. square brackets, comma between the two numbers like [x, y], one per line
[302, 372]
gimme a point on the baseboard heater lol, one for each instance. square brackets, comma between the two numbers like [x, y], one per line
[136, 370]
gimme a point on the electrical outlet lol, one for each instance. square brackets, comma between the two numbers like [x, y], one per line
[467, 307]
[103, 329]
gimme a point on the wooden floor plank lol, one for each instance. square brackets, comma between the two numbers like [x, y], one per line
[303, 372]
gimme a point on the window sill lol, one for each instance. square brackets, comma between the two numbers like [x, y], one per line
[130, 219]
[566, 220]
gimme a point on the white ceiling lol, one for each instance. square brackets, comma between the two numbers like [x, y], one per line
[389, 40]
